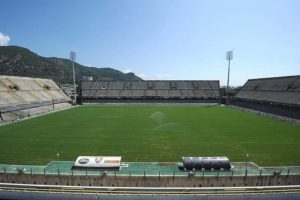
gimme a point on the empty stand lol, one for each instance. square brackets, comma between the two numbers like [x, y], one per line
[146, 90]
[22, 97]
[278, 95]
[139, 85]
[283, 90]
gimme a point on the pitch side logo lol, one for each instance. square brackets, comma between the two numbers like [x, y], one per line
[98, 159]
[83, 160]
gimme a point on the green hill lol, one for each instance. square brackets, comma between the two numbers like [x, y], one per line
[19, 61]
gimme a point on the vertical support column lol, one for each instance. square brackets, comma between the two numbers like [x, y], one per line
[260, 173]
[173, 176]
[53, 104]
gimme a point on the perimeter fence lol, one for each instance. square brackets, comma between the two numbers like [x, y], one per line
[63, 168]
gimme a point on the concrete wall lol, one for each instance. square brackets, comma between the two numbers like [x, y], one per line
[151, 181]
[8, 117]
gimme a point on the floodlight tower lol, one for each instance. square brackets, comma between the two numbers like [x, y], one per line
[73, 58]
[229, 57]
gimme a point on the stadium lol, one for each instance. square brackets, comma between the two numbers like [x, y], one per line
[169, 134]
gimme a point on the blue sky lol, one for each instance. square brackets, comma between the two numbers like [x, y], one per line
[162, 39]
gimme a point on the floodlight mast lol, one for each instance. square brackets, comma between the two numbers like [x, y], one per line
[229, 56]
[73, 58]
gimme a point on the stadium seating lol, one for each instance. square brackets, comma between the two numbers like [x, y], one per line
[284, 90]
[277, 95]
[22, 97]
[162, 90]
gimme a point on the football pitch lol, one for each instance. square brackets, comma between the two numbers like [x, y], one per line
[150, 133]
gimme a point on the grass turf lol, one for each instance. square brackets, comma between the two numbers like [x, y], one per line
[150, 133]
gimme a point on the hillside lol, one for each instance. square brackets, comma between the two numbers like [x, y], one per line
[19, 61]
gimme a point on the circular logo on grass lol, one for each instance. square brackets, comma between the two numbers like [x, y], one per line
[83, 160]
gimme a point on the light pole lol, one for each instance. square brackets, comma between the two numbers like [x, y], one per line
[73, 58]
[247, 164]
[58, 156]
[229, 57]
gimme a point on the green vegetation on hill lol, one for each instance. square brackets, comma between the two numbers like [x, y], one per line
[19, 61]
[150, 133]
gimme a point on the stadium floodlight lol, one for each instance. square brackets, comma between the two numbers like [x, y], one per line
[229, 57]
[73, 58]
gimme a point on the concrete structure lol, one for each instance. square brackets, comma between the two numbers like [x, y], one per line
[53, 192]
[150, 174]
[24, 97]
[277, 95]
[151, 181]
[153, 91]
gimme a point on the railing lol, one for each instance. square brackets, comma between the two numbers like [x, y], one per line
[33, 104]
[147, 190]
[285, 171]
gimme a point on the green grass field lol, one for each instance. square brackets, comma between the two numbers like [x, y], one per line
[150, 133]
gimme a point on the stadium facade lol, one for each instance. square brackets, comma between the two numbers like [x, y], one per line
[22, 97]
[276, 95]
[151, 91]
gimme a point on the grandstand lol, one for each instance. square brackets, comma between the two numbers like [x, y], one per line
[24, 97]
[277, 95]
[150, 91]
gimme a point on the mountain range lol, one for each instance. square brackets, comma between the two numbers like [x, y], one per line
[19, 61]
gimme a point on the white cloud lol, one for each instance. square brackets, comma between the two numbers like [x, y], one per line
[4, 39]
[127, 71]
[88, 65]
[142, 76]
